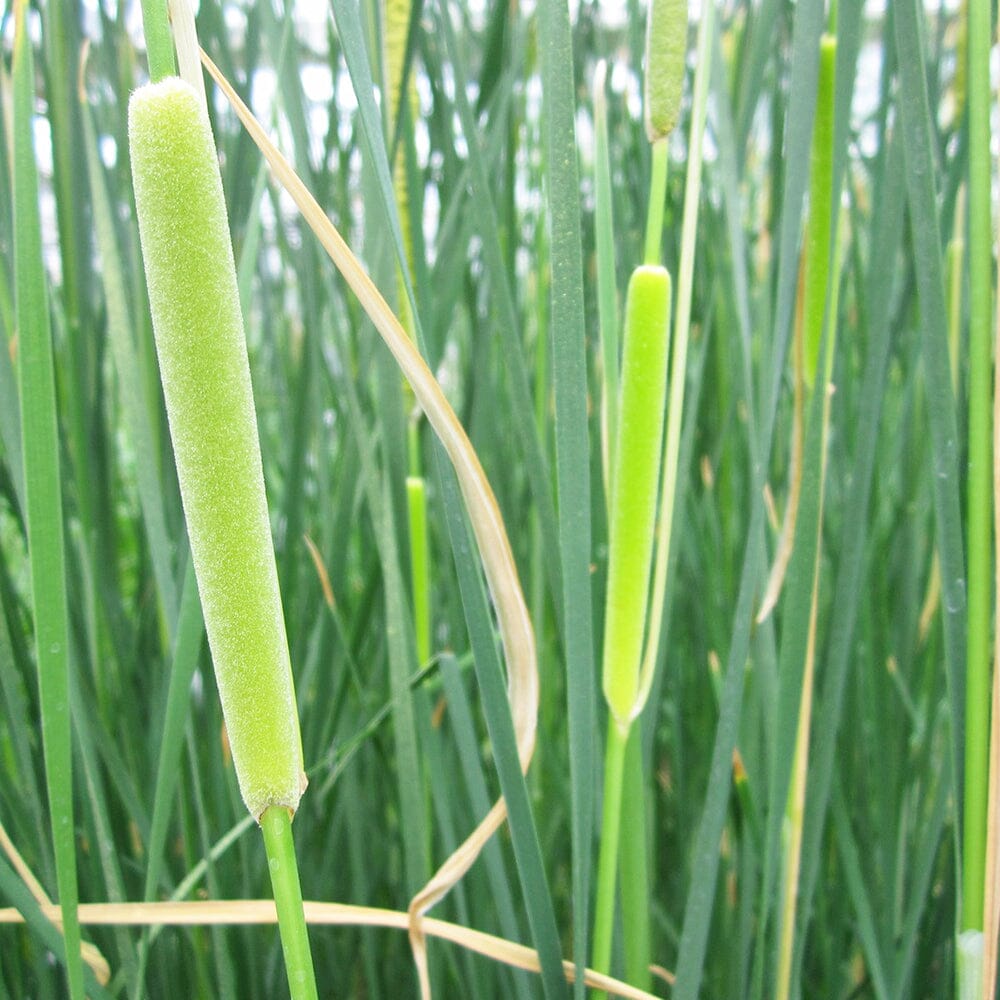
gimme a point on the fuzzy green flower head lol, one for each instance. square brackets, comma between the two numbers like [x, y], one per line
[635, 484]
[202, 354]
[666, 48]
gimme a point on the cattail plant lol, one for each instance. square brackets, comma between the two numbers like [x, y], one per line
[635, 496]
[191, 277]
[633, 515]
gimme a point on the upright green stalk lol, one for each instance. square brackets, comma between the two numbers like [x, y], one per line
[666, 46]
[634, 865]
[607, 862]
[276, 824]
[43, 495]
[657, 196]
[634, 489]
[978, 521]
[159, 43]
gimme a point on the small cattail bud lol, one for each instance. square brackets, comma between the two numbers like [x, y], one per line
[666, 48]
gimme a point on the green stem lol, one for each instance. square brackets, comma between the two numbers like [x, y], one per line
[607, 865]
[276, 823]
[980, 467]
[634, 863]
[657, 199]
[159, 41]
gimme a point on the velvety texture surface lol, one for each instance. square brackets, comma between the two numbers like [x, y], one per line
[206, 380]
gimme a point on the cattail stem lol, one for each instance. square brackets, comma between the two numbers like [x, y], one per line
[276, 825]
[159, 43]
[657, 198]
[607, 864]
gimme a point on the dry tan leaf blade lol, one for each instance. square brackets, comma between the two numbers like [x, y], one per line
[232, 912]
[487, 524]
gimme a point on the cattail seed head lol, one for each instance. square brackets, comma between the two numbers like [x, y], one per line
[666, 47]
[205, 373]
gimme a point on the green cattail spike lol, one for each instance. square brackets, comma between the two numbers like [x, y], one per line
[634, 486]
[632, 515]
[666, 46]
[206, 382]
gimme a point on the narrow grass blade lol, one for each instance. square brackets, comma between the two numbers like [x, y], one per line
[43, 494]
[10, 417]
[352, 39]
[915, 119]
[607, 291]
[980, 459]
[569, 380]
[460, 715]
[527, 851]
[991, 887]
[61, 43]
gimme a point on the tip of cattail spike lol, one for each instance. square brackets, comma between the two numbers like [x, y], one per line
[666, 49]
